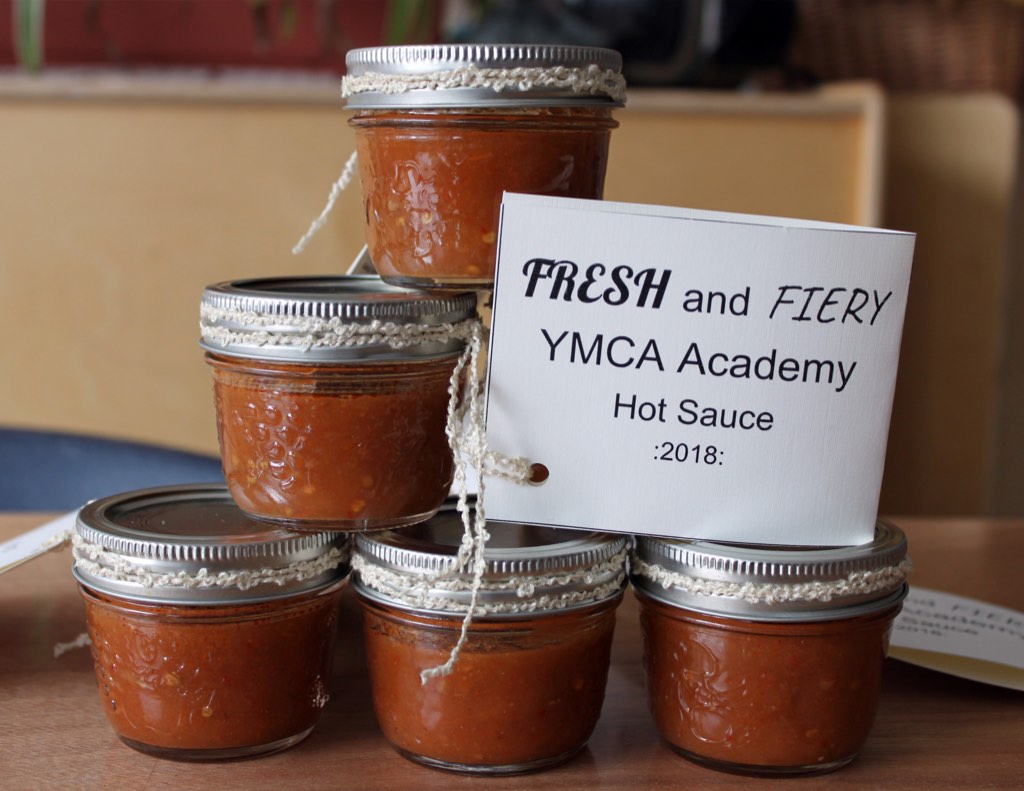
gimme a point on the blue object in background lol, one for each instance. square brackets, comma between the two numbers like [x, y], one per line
[54, 471]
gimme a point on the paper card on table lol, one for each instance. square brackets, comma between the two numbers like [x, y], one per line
[692, 373]
[960, 636]
[35, 542]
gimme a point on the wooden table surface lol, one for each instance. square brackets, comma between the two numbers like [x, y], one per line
[933, 731]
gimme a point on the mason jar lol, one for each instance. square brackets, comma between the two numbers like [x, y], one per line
[525, 690]
[212, 635]
[767, 661]
[332, 397]
[443, 130]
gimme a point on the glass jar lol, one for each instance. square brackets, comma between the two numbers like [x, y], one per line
[332, 397]
[767, 661]
[212, 635]
[526, 688]
[442, 131]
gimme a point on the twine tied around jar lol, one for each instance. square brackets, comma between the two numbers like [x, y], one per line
[591, 80]
[855, 583]
[311, 332]
[413, 588]
[98, 562]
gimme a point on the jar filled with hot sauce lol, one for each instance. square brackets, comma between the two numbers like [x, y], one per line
[212, 634]
[767, 661]
[526, 688]
[442, 131]
[332, 397]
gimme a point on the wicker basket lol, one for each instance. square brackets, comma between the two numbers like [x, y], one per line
[914, 45]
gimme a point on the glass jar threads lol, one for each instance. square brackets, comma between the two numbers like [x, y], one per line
[767, 661]
[443, 130]
[332, 397]
[212, 635]
[526, 688]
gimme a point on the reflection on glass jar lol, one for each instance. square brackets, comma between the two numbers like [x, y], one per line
[212, 636]
[336, 436]
[213, 682]
[523, 694]
[358, 446]
[442, 132]
[767, 661]
[526, 689]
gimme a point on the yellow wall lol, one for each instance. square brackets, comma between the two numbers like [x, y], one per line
[113, 217]
[951, 171]
[815, 156]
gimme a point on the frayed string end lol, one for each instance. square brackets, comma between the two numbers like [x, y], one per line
[337, 188]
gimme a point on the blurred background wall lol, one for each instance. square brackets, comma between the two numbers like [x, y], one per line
[150, 148]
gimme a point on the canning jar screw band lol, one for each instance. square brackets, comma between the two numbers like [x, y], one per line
[413, 589]
[856, 583]
[591, 80]
[94, 560]
[310, 332]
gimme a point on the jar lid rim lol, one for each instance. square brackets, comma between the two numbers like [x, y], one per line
[192, 544]
[756, 562]
[355, 298]
[330, 318]
[773, 582]
[558, 549]
[536, 567]
[432, 57]
[481, 75]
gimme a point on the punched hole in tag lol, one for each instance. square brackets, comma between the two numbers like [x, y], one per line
[539, 474]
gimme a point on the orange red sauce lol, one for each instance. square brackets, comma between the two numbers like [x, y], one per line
[340, 447]
[433, 180]
[761, 696]
[522, 695]
[212, 682]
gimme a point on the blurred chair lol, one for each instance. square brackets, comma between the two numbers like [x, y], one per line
[54, 471]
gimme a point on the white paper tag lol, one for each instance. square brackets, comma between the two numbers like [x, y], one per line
[35, 542]
[688, 373]
[961, 636]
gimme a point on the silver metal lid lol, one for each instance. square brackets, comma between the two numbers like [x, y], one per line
[329, 319]
[482, 75]
[777, 583]
[528, 568]
[192, 545]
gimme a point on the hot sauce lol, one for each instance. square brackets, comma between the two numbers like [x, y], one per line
[433, 181]
[523, 695]
[212, 682]
[527, 686]
[443, 131]
[212, 635]
[767, 661]
[332, 397]
[774, 696]
[360, 445]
